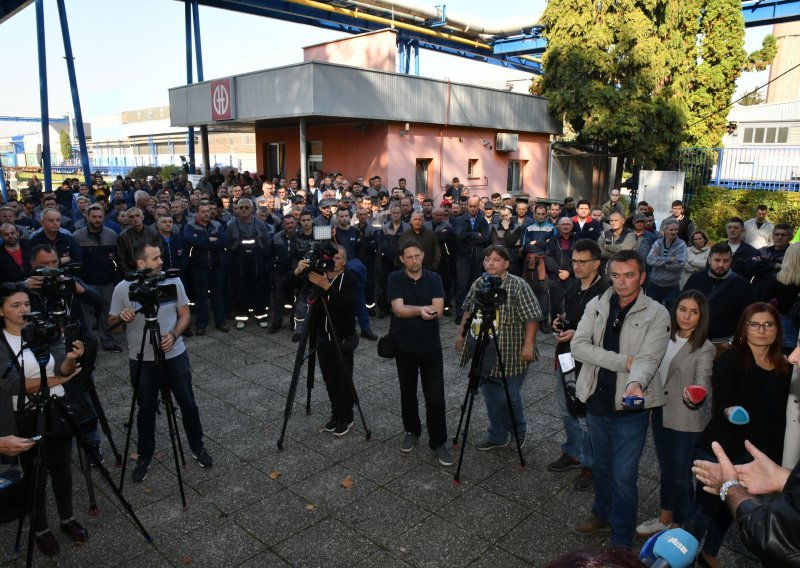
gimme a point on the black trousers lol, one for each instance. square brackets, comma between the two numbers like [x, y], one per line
[337, 379]
[429, 368]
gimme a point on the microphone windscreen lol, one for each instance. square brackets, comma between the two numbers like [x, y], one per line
[697, 394]
[739, 416]
[677, 547]
[646, 554]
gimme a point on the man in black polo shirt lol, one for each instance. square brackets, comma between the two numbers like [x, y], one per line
[417, 298]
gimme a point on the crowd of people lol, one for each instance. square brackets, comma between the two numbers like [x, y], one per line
[655, 326]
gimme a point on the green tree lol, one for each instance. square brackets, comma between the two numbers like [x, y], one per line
[66, 144]
[752, 98]
[759, 59]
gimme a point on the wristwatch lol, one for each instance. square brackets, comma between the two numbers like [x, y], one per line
[723, 491]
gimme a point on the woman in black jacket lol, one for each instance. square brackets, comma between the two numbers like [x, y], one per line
[16, 359]
[752, 375]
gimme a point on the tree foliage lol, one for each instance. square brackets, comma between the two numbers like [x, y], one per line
[66, 144]
[752, 98]
[761, 58]
[641, 77]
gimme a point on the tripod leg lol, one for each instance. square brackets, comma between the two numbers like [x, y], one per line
[461, 419]
[83, 458]
[311, 324]
[101, 417]
[470, 400]
[512, 418]
[137, 377]
[474, 376]
[298, 364]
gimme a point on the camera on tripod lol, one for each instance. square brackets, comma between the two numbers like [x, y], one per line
[39, 330]
[57, 283]
[146, 288]
[320, 256]
[490, 293]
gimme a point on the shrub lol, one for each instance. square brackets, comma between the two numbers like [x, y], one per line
[713, 206]
[142, 172]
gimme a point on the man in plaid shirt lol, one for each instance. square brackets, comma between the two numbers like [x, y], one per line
[516, 322]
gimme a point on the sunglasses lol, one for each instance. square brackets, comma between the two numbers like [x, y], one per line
[618, 321]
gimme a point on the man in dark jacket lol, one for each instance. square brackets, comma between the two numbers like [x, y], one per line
[14, 256]
[135, 234]
[472, 236]
[207, 240]
[559, 263]
[99, 248]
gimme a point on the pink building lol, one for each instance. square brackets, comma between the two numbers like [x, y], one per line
[322, 116]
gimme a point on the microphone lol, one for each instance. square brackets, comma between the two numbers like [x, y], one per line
[739, 416]
[697, 394]
[646, 554]
[674, 548]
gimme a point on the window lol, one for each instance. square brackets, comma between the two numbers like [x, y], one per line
[759, 137]
[766, 135]
[472, 168]
[315, 159]
[276, 159]
[514, 183]
[783, 135]
[748, 135]
[422, 175]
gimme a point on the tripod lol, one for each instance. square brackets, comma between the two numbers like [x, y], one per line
[486, 328]
[44, 404]
[316, 303]
[152, 329]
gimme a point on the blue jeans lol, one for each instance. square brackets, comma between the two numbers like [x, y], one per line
[675, 450]
[180, 383]
[617, 443]
[497, 407]
[663, 294]
[578, 444]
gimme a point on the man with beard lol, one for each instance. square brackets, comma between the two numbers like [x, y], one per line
[14, 256]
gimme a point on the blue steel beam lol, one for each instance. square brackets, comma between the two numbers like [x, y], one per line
[43, 101]
[526, 45]
[62, 120]
[73, 86]
[189, 80]
[768, 12]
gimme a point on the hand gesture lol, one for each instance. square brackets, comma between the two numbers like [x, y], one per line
[762, 475]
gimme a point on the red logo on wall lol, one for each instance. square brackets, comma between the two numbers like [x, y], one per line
[222, 99]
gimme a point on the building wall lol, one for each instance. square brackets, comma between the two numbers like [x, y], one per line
[377, 50]
[787, 88]
[370, 149]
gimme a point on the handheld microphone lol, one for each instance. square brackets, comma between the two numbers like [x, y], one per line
[633, 403]
[675, 548]
[739, 416]
[697, 394]
[646, 554]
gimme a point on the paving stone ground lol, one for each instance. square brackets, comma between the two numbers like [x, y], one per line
[260, 507]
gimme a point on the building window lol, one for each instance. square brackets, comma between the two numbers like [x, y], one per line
[472, 168]
[515, 172]
[276, 159]
[766, 135]
[422, 174]
[314, 151]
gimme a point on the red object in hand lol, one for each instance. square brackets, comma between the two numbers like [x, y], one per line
[697, 394]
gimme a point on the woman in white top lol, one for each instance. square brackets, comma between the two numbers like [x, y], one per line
[696, 255]
[60, 368]
[677, 425]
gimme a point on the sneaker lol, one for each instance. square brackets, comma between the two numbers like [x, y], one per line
[47, 543]
[513, 445]
[584, 480]
[240, 324]
[409, 442]
[330, 425]
[223, 328]
[140, 471]
[342, 428]
[564, 463]
[487, 444]
[592, 525]
[444, 455]
[203, 459]
[369, 334]
[187, 332]
[651, 527]
[74, 529]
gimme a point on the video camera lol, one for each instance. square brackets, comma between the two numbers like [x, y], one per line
[57, 283]
[490, 293]
[39, 330]
[320, 256]
[146, 290]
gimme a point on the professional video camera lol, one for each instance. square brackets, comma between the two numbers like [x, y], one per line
[146, 290]
[57, 282]
[490, 293]
[39, 330]
[320, 256]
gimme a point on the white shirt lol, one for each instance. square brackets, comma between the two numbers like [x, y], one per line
[30, 366]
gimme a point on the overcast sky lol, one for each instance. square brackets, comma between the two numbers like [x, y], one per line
[128, 53]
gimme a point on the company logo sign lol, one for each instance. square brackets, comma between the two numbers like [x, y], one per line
[222, 98]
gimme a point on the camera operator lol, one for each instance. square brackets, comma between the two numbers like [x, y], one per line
[516, 321]
[339, 290]
[173, 319]
[298, 248]
[61, 367]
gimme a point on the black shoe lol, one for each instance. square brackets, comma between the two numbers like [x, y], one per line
[203, 459]
[369, 334]
[371, 312]
[563, 463]
[274, 329]
[200, 331]
[330, 425]
[187, 332]
[342, 428]
[296, 338]
[74, 529]
[584, 480]
[47, 543]
[223, 328]
[113, 348]
[140, 471]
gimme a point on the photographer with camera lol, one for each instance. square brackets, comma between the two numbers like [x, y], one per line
[338, 288]
[173, 319]
[516, 312]
[17, 355]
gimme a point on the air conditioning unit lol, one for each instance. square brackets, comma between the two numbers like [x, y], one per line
[507, 142]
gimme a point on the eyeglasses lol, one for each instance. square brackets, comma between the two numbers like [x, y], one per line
[618, 321]
[583, 262]
[767, 325]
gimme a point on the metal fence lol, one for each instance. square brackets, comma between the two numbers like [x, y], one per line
[770, 169]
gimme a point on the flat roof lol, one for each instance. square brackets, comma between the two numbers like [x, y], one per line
[324, 92]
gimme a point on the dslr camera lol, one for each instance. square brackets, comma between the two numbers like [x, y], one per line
[146, 290]
[490, 293]
[320, 255]
[39, 331]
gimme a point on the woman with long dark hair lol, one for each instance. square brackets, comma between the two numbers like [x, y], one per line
[15, 359]
[678, 424]
[750, 387]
